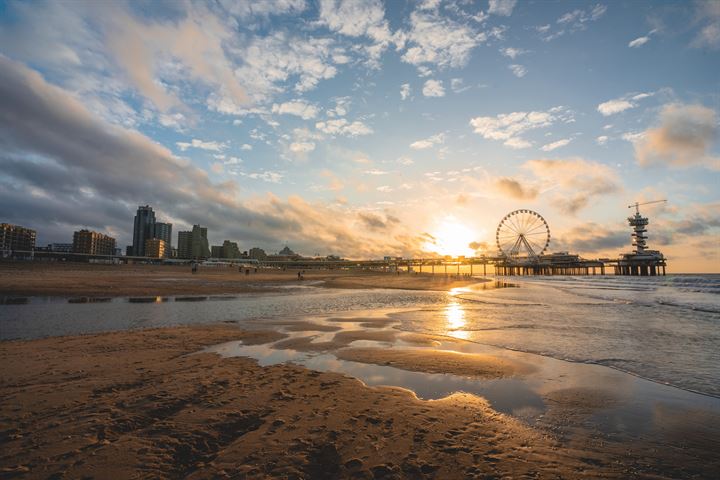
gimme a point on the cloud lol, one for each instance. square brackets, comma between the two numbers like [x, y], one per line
[707, 13]
[404, 91]
[195, 143]
[55, 154]
[593, 238]
[638, 42]
[458, 85]
[571, 22]
[501, 7]
[514, 189]
[271, 62]
[575, 180]
[518, 70]
[299, 108]
[429, 142]
[376, 222]
[375, 171]
[683, 138]
[602, 139]
[341, 126]
[507, 126]
[709, 37]
[433, 88]
[196, 41]
[439, 40]
[359, 18]
[555, 145]
[626, 102]
[512, 52]
[302, 147]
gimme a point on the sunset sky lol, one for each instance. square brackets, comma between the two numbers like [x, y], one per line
[362, 128]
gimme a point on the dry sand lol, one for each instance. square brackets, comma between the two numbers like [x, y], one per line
[82, 279]
[136, 405]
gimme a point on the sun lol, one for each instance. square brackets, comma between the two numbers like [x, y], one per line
[452, 238]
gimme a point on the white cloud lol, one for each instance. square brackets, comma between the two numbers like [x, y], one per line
[299, 108]
[517, 143]
[384, 189]
[302, 147]
[342, 105]
[341, 126]
[612, 107]
[375, 171]
[555, 145]
[439, 40]
[512, 52]
[501, 7]
[429, 142]
[602, 139]
[405, 160]
[404, 91]
[638, 42]
[246, 146]
[570, 22]
[433, 88]
[195, 143]
[358, 18]
[518, 70]
[508, 126]
[266, 176]
[621, 104]
[578, 17]
[270, 62]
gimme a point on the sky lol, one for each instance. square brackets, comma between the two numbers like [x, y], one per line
[362, 128]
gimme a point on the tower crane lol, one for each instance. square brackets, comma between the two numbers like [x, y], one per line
[637, 205]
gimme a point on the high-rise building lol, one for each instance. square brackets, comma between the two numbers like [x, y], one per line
[163, 231]
[193, 244]
[184, 245]
[93, 243]
[15, 237]
[200, 247]
[155, 248]
[230, 249]
[143, 229]
[216, 251]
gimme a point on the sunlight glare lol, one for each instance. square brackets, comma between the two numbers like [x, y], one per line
[452, 238]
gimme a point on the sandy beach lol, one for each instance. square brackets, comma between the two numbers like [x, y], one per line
[77, 279]
[202, 402]
[140, 404]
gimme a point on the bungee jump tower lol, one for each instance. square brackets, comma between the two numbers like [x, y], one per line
[642, 261]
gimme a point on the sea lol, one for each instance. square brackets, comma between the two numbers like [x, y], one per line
[663, 329]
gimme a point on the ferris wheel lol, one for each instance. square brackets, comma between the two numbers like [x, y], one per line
[522, 233]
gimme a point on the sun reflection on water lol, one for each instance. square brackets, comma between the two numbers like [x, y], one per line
[455, 316]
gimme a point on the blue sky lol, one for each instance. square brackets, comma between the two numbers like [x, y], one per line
[365, 128]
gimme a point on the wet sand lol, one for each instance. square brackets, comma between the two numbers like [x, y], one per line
[135, 404]
[80, 279]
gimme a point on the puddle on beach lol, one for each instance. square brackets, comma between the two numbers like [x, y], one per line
[611, 401]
